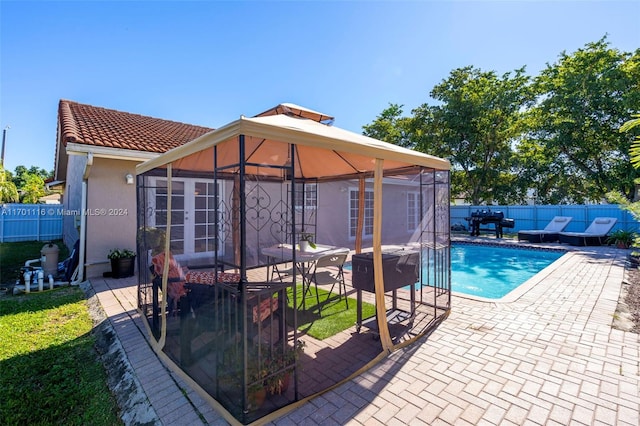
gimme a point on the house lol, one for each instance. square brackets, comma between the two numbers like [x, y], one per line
[50, 199]
[54, 189]
[97, 150]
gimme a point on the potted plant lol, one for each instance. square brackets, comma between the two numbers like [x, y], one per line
[622, 238]
[269, 374]
[306, 241]
[280, 367]
[231, 374]
[634, 258]
[122, 262]
[257, 392]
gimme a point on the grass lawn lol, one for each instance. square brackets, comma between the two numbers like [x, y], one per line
[50, 372]
[328, 318]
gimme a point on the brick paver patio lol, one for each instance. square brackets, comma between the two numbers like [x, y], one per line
[549, 357]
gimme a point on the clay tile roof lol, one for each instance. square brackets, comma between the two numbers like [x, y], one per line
[90, 125]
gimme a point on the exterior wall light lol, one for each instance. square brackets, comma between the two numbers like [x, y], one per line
[129, 178]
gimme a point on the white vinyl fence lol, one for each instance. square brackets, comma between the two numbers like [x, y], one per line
[30, 222]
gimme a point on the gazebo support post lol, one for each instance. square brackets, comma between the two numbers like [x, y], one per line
[381, 311]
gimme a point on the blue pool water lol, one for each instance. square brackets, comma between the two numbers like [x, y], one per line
[491, 271]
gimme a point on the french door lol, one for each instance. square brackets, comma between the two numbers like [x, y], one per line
[193, 225]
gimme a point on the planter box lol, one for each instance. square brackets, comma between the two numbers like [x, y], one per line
[124, 267]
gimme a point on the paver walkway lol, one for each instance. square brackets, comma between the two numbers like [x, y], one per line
[549, 357]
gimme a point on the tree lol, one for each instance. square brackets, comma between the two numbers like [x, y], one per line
[391, 127]
[29, 183]
[32, 189]
[8, 190]
[21, 174]
[584, 98]
[475, 126]
[634, 152]
[539, 174]
[555, 137]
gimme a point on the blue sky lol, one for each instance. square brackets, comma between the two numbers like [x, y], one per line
[208, 62]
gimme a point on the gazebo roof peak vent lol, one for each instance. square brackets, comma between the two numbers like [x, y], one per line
[294, 110]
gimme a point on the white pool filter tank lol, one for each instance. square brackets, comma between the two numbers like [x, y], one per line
[34, 278]
[49, 259]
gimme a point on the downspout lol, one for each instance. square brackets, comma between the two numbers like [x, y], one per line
[83, 220]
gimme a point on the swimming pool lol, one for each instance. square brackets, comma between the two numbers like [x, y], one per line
[494, 271]
[491, 271]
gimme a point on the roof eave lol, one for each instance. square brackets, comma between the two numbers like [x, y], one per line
[111, 153]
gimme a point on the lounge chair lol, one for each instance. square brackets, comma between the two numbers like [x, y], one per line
[547, 235]
[594, 235]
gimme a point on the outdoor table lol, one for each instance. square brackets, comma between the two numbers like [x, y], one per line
[283, 253]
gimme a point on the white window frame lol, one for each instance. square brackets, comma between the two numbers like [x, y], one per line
[413, 210]
[310, 201]
[190, 212]
[353, 213]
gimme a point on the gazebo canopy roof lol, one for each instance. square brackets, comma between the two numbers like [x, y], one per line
[321, 151]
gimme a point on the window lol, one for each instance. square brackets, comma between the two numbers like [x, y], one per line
[204, 211]
[353, 213]
[177, 214]
[192, 217]
[413, 211]
[306, 196]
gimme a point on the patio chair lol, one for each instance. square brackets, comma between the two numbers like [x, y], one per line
[331, 272]
[594, 235]
[175, 281]
[187, 289]
[547, 235]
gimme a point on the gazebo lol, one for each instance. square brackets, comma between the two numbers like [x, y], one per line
[224, 285]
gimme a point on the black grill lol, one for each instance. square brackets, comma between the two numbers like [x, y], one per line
[400, 268]
[488, 217]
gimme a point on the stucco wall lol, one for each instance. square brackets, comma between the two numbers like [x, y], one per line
[111, 212]
[333, 214]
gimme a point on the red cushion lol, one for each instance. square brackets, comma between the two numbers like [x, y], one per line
[264, 309]
[209, 277]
